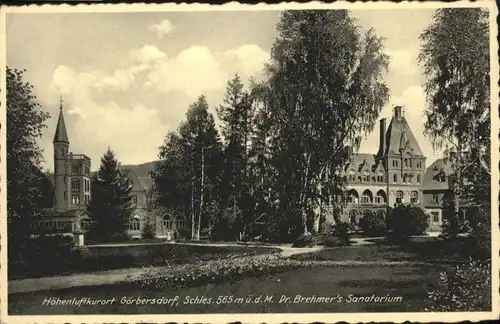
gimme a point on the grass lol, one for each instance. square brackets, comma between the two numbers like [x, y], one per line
[409, 282]
[421, 249]
[98, 258]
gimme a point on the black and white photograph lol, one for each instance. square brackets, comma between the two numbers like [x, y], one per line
[233, 163]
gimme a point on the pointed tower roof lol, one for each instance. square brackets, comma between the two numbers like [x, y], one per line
[61, 135]
[399, 136]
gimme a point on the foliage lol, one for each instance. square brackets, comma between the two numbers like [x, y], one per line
[27, 186]
[405, 221]
[322, 73]
[373, 225]
[466, 289]
[455, 57]
[306, 240]
[341, 231]
[479, 219]
[149, 227]
[111, 203]
[213, 271]
[188, 172]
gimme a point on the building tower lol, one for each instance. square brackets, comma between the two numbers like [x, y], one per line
[61, 147]
[71, 171]
[403, 159]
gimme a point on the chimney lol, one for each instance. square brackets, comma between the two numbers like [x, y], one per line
[382, 136]
[398, 112]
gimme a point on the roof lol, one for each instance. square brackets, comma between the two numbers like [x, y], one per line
[61, 135]
[399, 136]
[440, 166]
[359, 161]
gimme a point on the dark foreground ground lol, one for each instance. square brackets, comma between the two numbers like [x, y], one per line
[408, 282]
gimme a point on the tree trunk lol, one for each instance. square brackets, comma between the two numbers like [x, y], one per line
[304, 195]
[192, 208]
[202, 191]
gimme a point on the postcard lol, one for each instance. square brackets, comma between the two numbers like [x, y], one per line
[268, 163]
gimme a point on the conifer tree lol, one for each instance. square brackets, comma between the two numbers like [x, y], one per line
[111, 203]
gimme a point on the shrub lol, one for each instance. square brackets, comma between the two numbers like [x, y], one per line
[406, 221]
[341, 232]
[331, 241]
[308, 240]
[149, 229]
[372, 225]
[468, 288]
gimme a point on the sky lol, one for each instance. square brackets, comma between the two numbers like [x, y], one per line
[127, 79]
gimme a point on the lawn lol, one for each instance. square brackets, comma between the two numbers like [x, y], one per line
[421, 249]
[409, 282]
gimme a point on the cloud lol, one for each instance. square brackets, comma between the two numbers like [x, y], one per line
[163, 28]
[146, 96]
[403, 61]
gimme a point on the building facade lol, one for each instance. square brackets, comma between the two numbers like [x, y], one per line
[395, 175]
[72, 186]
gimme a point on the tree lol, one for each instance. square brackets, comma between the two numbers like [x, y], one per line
[188, 173]
[405, 221]
[323, 90]
[111, 203]
[455, 57]
[25, 179]
[236, 115]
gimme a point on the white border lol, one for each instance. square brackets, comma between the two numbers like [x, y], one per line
[255, 318]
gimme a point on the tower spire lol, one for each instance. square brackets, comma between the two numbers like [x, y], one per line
[61, 135]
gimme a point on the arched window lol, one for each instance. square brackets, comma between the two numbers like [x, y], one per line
[399, 197]
[75, 185]
[352, 196]
[381, 197]
[380, 213]
[367, 196]
[395, 178]
[406, 163]
[167, 222]
[405, 178]
[366, 176]
[414, 197]
[418, 178]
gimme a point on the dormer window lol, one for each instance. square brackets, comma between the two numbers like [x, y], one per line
[380, 176]
[351, 175]
[441, 178]
[366, 176]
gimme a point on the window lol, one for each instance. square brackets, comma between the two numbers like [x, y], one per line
[366, 176]
[395, 178]
[75, 199]
[414, 197]
[399, 197]
[367, 196]
[135, 224]
[76, 169]
[75, 185]
[419, 164]
[418, 178]
[435, 217]
[406, 163]
[352, 217]
[380, 176]
[405, 178]
[351, 175]
[134, 200]
[434, 198]
[441, 178]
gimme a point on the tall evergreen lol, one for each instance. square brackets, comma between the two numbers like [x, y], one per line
[111, 203]
[236, 115]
